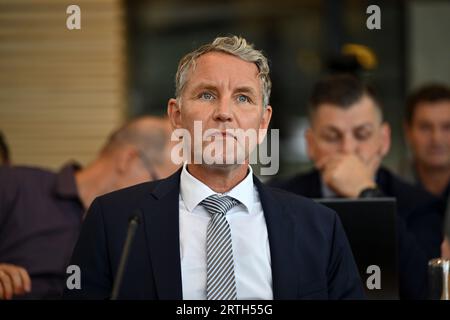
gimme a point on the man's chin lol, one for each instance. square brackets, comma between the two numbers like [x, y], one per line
[224, 162]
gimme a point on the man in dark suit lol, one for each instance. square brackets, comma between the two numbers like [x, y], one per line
[347, 140]
[212, 230]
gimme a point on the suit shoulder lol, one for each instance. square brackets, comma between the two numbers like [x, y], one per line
[22, 173]
[301, 183]
[301, 206]
[310, 219]
[29, 179]
[283, 182]
[129, 194]
[408, 196]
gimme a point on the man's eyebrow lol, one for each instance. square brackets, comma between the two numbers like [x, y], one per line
[330, 127]
[205, 85]
[213, 87]
[246, 89]
[364, 126]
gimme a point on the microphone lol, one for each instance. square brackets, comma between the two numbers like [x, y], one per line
[133, 223]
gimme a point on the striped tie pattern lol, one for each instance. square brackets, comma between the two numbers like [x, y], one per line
[220, 280]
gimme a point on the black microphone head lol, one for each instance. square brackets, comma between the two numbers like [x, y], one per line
[136, 216]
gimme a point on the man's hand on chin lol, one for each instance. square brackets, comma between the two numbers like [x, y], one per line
[346, 175]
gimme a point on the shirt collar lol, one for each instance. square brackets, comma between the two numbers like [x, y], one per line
[193, 191]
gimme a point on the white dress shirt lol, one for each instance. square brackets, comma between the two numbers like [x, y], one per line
[251, 250]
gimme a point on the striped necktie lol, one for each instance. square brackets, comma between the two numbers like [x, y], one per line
[220, 279]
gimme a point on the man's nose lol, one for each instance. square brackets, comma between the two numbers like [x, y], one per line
[348, 145]
[223, 110]
[436, 135]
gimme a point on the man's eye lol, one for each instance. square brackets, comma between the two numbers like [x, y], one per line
[446, 127]
[243, 99]
[206, 96]
[330, 137]
[363, 135]
[424, 127]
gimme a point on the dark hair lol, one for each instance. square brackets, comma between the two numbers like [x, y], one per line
[4, 150]
[341, 90]
[431, 93]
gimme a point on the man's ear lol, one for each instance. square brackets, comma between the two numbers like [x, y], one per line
[385, 138]
[264, 124]
[174, 113]
[310, 144]
[124, 158]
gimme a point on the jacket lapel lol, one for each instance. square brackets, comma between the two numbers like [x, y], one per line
[161, 220]
[281, 232]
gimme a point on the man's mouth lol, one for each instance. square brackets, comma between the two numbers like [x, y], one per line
[222, 135]
[437, 150]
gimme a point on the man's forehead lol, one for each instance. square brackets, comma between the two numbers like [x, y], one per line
[227, 60]
[217, 66]
[356, 111]
[440, 108]
[332, 116]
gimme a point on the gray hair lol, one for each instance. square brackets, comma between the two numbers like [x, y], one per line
[235, 46]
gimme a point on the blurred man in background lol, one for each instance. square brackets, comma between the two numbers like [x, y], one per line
[347, 140]
[427, 129]
[41, 212]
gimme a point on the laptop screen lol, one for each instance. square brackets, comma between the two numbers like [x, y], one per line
[370, 225]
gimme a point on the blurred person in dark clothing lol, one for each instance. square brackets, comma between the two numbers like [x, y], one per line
[41, 212]
[347, 141]
[4, 151]
[427, 129]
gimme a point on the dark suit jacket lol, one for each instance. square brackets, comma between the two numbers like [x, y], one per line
[419, 224]
[310, 254]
